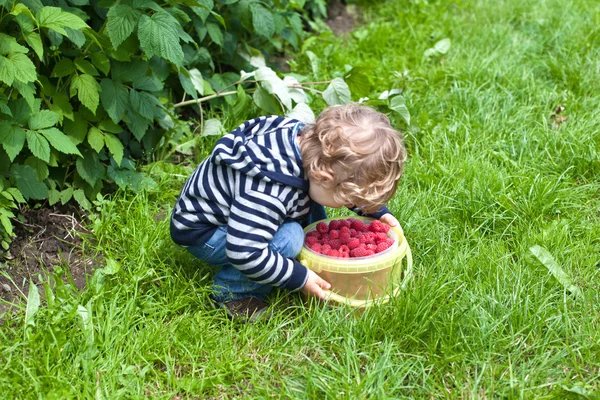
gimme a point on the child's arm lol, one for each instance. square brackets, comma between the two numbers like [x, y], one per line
[254, 219]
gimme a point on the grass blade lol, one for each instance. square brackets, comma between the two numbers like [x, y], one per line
[546, 258]
[33, 304]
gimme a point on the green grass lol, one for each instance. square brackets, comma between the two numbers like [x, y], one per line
[488, 177]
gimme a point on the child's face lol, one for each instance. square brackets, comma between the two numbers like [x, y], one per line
[322, 195]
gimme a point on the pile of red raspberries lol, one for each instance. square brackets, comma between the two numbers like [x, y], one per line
[349, 238]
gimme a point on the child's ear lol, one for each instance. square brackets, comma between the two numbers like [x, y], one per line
[326, 178]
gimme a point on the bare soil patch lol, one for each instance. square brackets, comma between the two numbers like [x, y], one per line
[341, 18]
[47, 237]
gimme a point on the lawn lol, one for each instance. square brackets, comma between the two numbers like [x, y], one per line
[494, 170]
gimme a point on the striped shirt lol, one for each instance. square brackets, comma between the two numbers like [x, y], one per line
[252, 182]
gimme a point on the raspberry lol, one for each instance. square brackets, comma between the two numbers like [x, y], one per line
[344, 229]
[376, 226]
[385, 227]
[380, 237]
[369, 253]
[310, 240]
[336, 224]
[345, 237]
[316, 247]
[325, 248]
[314, 233]
[322, 227]
[335, 243]
[353, 232]
[358, 252]
[371, 246]
[346, 223]
[334, 234]
[358, 225]
[333, 253]
[353, 243]
[362, 238]
[381, 246]
[344, 249]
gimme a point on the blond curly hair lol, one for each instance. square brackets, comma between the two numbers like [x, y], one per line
[354, 151]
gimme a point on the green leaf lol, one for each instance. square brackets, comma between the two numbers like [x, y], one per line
[115, 99]
[197, 81]
[33, 304]
[27, 182]
[12, 138]
[398, 105]
[95, 139]
[77, 129]
[34, 40]
[187, 85]
[7, 71]
[16, 194]
[62, 106]
[262, 20]
[108, 126]
[80, 198]
[273, 84]
[9, 45]
[27, 91]
[302, 112]
[158, 36]
[56, 19]
[115, 147]
[75, 36]
[337, 92]
[86, 67]
[87, 91]
[63, 68]
[40, 167]
[144, 103]
[439, 48]
[43, 119]
[121, 22]
[53, 196]
[548, 261]
[60, 141]
[5, 222]
[137, 124]
[101, 62]
[213, 127]
[215, 33]
[38, 145]
[90, 168]
[266, 101]
[24, 69]
[66, 195]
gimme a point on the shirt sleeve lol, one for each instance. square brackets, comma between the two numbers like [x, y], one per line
[253, 221]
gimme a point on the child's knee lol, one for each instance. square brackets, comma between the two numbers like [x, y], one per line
[288, 240]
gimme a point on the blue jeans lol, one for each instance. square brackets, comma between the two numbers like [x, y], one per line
[229, 282]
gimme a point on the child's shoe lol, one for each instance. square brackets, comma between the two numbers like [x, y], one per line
[248, 309]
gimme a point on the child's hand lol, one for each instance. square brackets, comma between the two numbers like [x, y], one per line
[389, 219]
[315, 286]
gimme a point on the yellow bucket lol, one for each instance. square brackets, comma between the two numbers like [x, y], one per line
[365, 281]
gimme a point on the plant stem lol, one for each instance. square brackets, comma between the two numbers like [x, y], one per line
[202, 99]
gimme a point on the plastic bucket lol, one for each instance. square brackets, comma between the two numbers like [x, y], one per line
[362, 282]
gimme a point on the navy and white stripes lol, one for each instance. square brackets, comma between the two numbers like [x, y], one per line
[252, 182]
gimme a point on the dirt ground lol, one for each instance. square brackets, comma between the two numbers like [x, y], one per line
[47, 237]
[341, 18]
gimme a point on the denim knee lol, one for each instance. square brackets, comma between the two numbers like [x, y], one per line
[288, 240]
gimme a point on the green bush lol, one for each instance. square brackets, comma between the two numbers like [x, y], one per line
[89, 87]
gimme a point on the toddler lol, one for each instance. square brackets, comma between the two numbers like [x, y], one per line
[244, 207]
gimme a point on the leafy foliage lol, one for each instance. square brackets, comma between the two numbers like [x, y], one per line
[88, 88]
